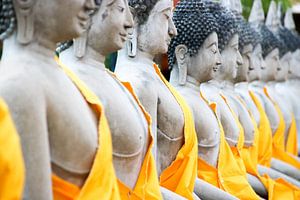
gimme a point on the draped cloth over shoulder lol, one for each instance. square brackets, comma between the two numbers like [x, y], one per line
[12, 171]
[265, 133]
[228, 175]
[180, 176]
[291, 143]
[101, 182]
[147, 185]
[278, 139]
[277, 189]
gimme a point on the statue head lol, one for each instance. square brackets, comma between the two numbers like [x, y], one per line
[47, 21]
[194, 51]
[153, 28]
[109, 29]
[228, 41]
[250, 50]
[271, 54]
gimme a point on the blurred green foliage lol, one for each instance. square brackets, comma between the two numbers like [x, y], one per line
[247, 5]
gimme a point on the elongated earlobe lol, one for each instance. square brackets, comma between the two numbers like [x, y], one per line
[25, 20]
[131, 44]
[80, 45]
[181, 52]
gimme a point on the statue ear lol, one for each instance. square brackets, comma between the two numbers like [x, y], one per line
[181, 54]
[80, 45]
[131, 44]
[25, 20]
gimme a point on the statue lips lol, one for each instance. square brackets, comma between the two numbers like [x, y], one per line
[123, 36]
[84, 19]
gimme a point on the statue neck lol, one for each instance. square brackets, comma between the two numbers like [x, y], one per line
[192, 83]
[40, 49]
[229, 85]
[94, 58]
[217, 83]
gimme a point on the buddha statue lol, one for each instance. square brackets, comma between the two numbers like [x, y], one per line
[57, 120]
[175, 139]
[270, 52]
[193, 55]
[293, 42]
[131, 137]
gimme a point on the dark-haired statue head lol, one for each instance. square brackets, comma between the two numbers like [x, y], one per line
[250, 49]
[153, 27]
[228, 41]
[271, 54]
[193, 53]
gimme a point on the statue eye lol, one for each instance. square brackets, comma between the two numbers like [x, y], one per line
[121, 9]
[167, 16]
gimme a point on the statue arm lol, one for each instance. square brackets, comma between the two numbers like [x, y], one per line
[29, 115]
[207, 191]
[285, 168]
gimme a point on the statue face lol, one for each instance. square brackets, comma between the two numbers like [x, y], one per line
[207, 60]
[231, 59]
[294, 71]
[155, 35]
[272, 65]
[59, 20]
[257, 64]
[243, 70]
[282, 72]
[110, 26]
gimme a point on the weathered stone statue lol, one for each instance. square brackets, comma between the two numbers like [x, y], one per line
[186, 76]
[58, 122]
[214, 89]
[270, 51]
[172, 123]
[132, 140]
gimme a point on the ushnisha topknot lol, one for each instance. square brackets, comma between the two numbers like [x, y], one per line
[194, 24]
[269, 41]
[141, 9]
[247, 35]
[226, 20]
[7, 18]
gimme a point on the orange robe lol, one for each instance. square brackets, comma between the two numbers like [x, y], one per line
[277, 189]
[229, 175]
[265, 132]
[278, 139]
[180, 176]
[147, 185]
[291, 143]
[12, 170]
[101, 182]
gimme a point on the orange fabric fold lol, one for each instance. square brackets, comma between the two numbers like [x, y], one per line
[265, 134]
[278, 139]
[291, 143]
[180, 176]
[229, 175]
[147, 186]
[101, 182]
[12, 170]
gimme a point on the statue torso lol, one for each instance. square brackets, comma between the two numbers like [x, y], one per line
[243, 91]
[206, 124]
[163, 107]
[52, 100]
[231, 129]
[127, 123]
[267, 104]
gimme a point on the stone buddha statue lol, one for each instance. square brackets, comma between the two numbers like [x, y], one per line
[173, 129]
[56, 124]
[270, 50]
[131, 137]
[192, 58]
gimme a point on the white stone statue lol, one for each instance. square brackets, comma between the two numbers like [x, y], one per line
[58, 129]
